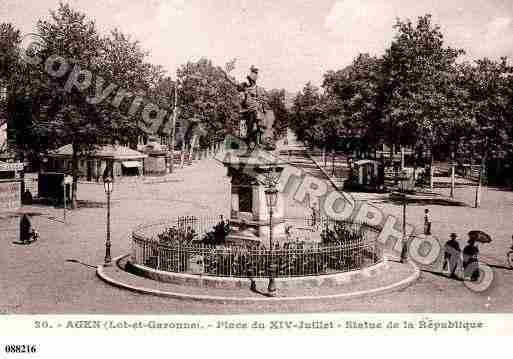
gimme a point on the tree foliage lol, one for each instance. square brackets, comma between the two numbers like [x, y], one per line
[206, 95]
[416, 94]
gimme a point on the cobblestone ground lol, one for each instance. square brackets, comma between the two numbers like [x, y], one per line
[57, 274]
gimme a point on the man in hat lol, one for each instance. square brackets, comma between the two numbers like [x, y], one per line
[252, 106]
[452, 254]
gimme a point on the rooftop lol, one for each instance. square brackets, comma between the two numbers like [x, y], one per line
[106, 151]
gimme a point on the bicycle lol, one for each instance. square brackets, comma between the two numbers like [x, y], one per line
[33, 236]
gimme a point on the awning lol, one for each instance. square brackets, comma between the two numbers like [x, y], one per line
[131, 164]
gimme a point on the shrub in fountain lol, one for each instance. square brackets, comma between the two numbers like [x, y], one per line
[175, 235]
[341, 234]
[218, 235]
[338, 235]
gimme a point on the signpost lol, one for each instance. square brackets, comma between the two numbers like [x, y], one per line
[4, 166]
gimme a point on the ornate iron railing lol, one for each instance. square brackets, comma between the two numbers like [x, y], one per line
[290, 259]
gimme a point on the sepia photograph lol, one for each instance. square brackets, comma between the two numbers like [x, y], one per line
[303, 159]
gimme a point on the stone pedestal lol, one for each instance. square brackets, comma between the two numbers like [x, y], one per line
[249, 216]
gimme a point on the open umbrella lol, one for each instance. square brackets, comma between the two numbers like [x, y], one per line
[480, 236]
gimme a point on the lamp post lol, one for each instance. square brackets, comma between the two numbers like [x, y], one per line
[108, 186]
[403, 180]
[271, 197]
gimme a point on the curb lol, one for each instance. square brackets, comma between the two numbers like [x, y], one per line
[100, 272]
[204, 282]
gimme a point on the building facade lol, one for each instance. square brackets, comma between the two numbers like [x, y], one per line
[122, 160]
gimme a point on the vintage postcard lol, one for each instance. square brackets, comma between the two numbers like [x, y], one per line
[176, 167]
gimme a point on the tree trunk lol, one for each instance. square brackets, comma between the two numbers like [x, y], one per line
[402, 158]
[182, 154]
[477, 203]
[452, 174]
[173, 135]
[431, 168]
[193, 143]
[332, 163]
[391, 156]
[74, 174]
[415, 164]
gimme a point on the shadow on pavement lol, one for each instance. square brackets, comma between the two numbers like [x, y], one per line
[439, 274]
[9, 215]
[79, 262]
[90, 204]
[426, 201]
[499, 267]
[254, 289]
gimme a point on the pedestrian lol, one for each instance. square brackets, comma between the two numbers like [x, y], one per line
[427, 222]
[452, 253]
[25, 229]
[470, 260]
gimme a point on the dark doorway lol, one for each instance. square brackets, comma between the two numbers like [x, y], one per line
[245, 199]
[89, 171]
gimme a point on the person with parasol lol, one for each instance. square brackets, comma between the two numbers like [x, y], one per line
[471, 253]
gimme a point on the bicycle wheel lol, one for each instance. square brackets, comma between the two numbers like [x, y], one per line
[510, 259]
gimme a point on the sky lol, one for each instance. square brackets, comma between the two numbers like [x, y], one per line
[291, 42]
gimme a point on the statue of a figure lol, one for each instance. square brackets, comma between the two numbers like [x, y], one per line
[256, 117]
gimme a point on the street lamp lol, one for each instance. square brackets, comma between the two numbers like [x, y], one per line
[108, 185]
[271, 198]
[403, 180]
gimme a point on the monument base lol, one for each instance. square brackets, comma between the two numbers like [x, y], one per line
[255, 232]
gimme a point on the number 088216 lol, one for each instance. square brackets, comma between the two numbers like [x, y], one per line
[22, 348]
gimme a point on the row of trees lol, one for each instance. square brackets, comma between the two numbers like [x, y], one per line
[46, 110]
[417, 94]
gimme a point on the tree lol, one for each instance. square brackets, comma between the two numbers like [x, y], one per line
[65, 113]
[17, 82]
[206, 95]
[56, 96]
[123, 62]
[10, 39]
[306, 114]
[276, 101]
[489, 87]
[357, 95]
[421, 103]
